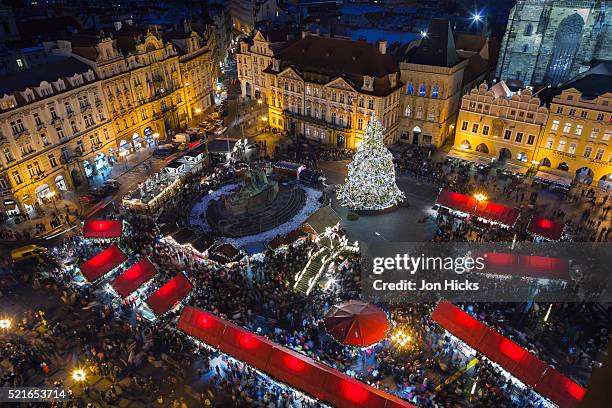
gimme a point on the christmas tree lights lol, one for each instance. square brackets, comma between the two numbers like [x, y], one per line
[370, 185]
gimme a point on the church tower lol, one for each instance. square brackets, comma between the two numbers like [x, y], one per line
[547, 42]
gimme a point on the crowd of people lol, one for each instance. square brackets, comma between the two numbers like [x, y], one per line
[149, 359]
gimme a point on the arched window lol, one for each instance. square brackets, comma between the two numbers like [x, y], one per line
[528, 30]
[410, 89]
[422, 90]
[435, 92]
[407, 110]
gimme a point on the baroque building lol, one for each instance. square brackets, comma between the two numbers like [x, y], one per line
[323, 88]
[547, 42]
[577, 138]
[93, 101]
[496, 124]
[54, 130]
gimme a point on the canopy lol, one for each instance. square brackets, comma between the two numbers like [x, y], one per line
[287, 366]
[103, 263]
[482, 159]
[175, 290]
[560, 177]
[513, 358]
[102, 229]
[545, 228]
[483, 209]
[530, 266]
[136, 275]
[356, 323]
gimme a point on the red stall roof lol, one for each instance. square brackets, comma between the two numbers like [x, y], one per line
[102, 229]
[103, 263]
[287, 366]
[509, 355]
[136, 275]
[531, 266]
[545, 228]
[170, 294]
[483, 209]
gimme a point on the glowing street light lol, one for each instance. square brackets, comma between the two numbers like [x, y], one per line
[423, 33]
[401, 337]
[480, 197]
[79, 375]
[198, 111]
[5, 324]
[477, 17]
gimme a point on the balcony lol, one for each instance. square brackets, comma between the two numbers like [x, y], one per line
[20, 132]
[315, 121]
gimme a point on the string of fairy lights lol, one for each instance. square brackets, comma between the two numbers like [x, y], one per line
[370, 184]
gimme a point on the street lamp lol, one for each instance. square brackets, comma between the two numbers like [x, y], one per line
[79, 375]
[480, 197]
[5, 324]
[402, 338]
[423, 33]
[476, 17]
[198, 111]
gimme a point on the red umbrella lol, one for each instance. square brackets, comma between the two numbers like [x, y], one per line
[356, 323]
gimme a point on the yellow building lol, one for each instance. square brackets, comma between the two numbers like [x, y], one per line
[322, 88]
[54, 132]
[576, 140]
[496, 124]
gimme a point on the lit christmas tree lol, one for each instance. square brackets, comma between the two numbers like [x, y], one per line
[370, 184]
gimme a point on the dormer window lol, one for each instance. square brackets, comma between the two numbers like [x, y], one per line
[368, 83]
[392, 80]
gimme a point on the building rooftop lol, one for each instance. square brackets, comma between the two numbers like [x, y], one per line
[56, 67]
[437, 48]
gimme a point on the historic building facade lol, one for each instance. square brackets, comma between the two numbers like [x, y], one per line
[548, 42]
[328, 95]
[500, 125]
[577, 136]
[54, 133]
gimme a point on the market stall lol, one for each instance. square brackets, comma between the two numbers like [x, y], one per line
[164, 299]
[136, 275]
[103, 263]
[545, 229]
[102, 229]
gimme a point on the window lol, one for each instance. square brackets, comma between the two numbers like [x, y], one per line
[431, 115]
[528, 30]
[89, 120]
[60, 132]
[559, 109]
[507, 135]
[572, 148]
[143, 114]
[308, 91]
[530, 116]
[599, 154]
[561, 145]
[74, 127]
[549, 142]
[513, 112]
[572, 112]
[8, 156]
[17, 177]
[19, 62]
[44, 140]
[349, 99]
[464, 125]
[555, 125]
[3, 184]
[588, 151]
[530, 139]
[435, 92]
[578, 130]
[606, 135]
[407, 110]
[68, 107]
[360, 124]
[422, 90]
[360, 103]
[53, 113]
[525, 47]
[485, 130]
[333, 96]
[410, 88]
[600, 117]
[37, 119]
[594, 133]
[52, 160]
[370, 103]
[341, 98]
[584, 114]
[567, 127]
[519, 137]
[475, 128]
[17, 127]
[333, 118]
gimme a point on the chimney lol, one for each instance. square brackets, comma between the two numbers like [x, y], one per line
[118, 25]
[382, 46]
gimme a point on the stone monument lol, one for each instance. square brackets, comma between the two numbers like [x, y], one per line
[256, 193]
